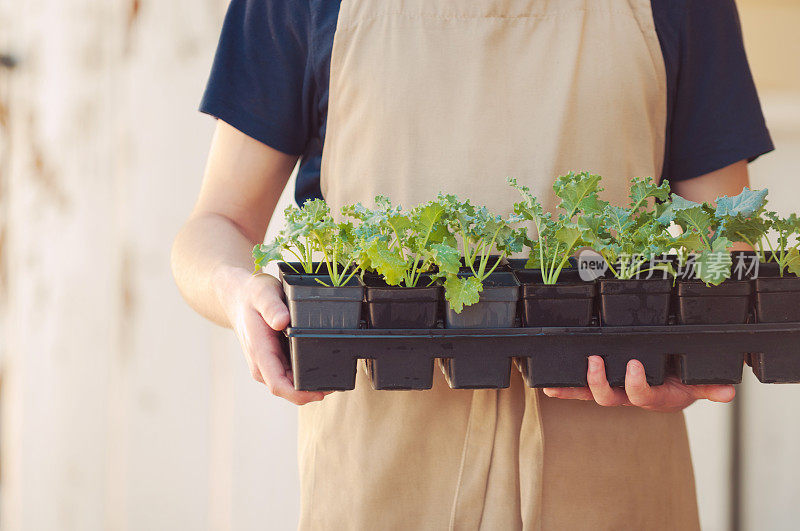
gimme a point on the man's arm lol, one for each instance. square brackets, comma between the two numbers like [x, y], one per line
[727, 181]
[673, 395]
[211, 256]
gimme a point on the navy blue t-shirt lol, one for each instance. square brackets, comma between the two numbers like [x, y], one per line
[271, 74]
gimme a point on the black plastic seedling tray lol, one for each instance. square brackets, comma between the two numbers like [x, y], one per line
[325, 360]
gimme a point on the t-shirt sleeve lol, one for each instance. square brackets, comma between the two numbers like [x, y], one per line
[717, 118]
[259, 80]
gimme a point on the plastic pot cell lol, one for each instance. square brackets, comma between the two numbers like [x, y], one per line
[393, 307]
[497, 308]
[781, 364]
[405, 371]
[698, 304]
[728, 303]
[400, 307]
[313, 305]
[314, 368]
[777, 298]
[569, 302]
[635, 302]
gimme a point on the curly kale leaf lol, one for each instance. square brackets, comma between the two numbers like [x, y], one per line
[746, 203]
[462, 291]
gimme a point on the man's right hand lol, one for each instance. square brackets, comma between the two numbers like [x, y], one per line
[257, 313]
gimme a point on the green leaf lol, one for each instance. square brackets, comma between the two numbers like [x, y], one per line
[400, 224]
[790, 224]
[569, 236]
[461, 292]
[752, 230]
[664, 214]
[533, 261]
[645, 188]
[446, 258]
[713, 266]
[386, 262]
[689, 242]
[619, 220]
[265, 253]
[429, 214]
[692, 217]
[793, 261]
[578, 193]
[747, 203]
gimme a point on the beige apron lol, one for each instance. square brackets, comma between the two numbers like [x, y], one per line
[454, 96]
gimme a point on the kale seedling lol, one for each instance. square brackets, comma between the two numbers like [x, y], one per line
[557, 238]
[756, 230]
[629, 239]
[485, 240]
[308, 230]
[403, 245]
[705, 232]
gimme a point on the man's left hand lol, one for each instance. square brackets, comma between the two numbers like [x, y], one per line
[672, 396]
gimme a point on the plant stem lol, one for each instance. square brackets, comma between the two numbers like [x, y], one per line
[610, 266]
[552, 276]
[541, 247]
[497, 263]
[758, 249]
[292, 267]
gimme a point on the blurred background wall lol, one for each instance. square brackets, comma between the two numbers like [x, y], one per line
[121, 409]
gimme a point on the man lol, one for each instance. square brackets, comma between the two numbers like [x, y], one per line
[411, 97]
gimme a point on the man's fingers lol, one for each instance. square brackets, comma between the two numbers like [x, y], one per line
[268, 300]
[636, 386]
[715, 393]
[277, 377]
[264, 350]
[569, 393]
[598, 384]
[255, 372]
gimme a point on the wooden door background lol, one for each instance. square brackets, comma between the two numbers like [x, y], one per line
[121, 409]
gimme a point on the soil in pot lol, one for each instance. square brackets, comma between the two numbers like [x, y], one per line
[392, 307]
[503, 267]
[497, 308]
[313, 305]
[635, 302]
[296, 268]
[569, 302]
[698, 304]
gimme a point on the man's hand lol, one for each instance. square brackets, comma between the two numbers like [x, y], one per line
[672, 396]
[255, 308]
